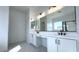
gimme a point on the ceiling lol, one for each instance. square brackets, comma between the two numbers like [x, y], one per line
[36, 9]
[39, 9]
[20, 8]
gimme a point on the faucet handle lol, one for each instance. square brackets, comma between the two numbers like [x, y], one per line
[58, 33]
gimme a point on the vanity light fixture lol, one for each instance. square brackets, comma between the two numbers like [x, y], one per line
[31, 19]
[52, 7]
[41, 15]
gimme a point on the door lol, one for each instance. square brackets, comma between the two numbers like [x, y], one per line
[51, 44]
[66, 45]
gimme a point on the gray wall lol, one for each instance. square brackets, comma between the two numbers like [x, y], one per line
[17, 26]
[4, 22]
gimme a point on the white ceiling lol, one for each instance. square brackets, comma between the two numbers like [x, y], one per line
[20, 8]
[39, 9]
[36, 9]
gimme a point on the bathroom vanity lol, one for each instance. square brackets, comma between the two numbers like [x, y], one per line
[56, 31]
[59, 44]
[55, 43]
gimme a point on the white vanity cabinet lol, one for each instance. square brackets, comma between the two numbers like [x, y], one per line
[61, 45]
[66, 45]
[33, 39]
[51, 44]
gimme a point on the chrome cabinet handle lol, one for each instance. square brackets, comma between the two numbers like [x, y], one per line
[58, 42]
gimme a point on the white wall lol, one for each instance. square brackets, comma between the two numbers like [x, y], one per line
[27, 26]
[4, 21]
[17, 26]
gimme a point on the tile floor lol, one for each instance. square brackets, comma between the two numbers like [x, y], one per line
[28, 47]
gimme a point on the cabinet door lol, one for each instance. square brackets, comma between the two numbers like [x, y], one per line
[51, 44]
[39, 41]
[66, 45]
[33, 39]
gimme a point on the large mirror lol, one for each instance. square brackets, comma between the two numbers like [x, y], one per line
[43, 23]
[33, 24]
[62, 20]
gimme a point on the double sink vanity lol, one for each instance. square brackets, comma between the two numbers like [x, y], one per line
[56, 31]
[54, 43]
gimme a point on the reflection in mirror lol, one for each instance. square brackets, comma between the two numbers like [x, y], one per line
[49, 26]
[43, 23]
[71, 26]
[33, 25]
[37, 24]
[62, 20]
[58, 26]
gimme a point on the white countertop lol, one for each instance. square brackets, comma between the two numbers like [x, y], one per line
[55, 35]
